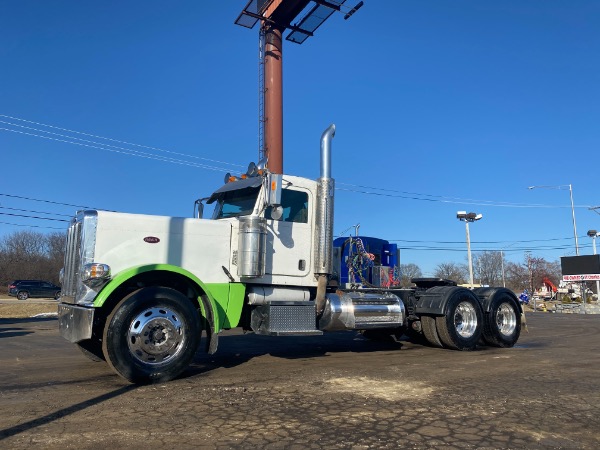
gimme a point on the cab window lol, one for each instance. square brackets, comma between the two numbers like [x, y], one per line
[295, 207]
[236, 203]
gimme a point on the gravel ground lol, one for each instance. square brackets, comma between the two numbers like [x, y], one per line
[336, 391]
[11, 308]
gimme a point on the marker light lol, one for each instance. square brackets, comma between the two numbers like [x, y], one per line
[95, 274]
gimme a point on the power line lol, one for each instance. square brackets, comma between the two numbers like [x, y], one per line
[434, 197]
[385, 192]
[115, 140]
[31, 226]
[34, 217]
[457, 201]
[125, 152]
[482, 242]
[49, 201]
[36, 212]
[512, 250]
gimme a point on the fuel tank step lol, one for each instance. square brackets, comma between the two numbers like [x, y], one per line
[285, 318]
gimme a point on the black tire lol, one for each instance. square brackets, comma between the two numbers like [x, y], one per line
[461, 327]
[56, 295]
[502, 325]
[92, 349]
[171, 328]
[430, 331]
[23, 295]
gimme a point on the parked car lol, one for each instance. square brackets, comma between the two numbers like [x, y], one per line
[23, 289]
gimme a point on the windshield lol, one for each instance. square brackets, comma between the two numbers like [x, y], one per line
[236, 203]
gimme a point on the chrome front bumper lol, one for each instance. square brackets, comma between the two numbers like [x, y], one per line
[75, 322]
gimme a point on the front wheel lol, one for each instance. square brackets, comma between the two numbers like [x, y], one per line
[502, 325]
[152, 335]
[461, 327]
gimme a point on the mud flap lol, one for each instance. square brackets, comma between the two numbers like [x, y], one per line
[212, 343]
[212, 338]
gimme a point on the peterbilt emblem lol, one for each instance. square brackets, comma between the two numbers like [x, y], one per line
[151, 240]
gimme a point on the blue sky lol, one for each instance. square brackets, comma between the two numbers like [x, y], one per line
[440, 106]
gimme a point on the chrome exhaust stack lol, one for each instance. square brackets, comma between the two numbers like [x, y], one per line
[323, 245]
[324, 219]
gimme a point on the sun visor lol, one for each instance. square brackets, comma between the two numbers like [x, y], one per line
[234, 186]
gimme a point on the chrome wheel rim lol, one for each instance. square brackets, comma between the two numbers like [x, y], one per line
[156, 335]
[465, 319]
[506, 319]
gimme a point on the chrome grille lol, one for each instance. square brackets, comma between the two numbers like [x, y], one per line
[72, 258]
[81, 242]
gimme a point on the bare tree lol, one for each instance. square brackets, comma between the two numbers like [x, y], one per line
[531, 273]
[55, 255]
[488, 267]
[452, 271]
[554, 272]
[31, 255]
[408, 271]
[517, 276]
[24, 244]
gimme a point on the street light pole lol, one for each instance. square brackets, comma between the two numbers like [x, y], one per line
[574, 223]
[471, 279]
[570, 186]
[465, 217]
[593, 234]
[572, 209]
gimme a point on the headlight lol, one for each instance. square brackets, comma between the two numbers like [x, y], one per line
[95, 274]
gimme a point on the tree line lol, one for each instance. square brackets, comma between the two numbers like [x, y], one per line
[29, 255]
[491, 269]
[38, 256]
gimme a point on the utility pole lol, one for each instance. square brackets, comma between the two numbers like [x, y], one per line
[301, 18]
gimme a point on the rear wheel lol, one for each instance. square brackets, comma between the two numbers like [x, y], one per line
[23, 295]
[152, 335]
[502, 325]
[461, 327]
[430, 331]
[57, 295]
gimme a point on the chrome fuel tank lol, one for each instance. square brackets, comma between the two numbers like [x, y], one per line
[361, 311]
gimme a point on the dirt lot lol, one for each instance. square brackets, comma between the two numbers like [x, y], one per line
[337, 391]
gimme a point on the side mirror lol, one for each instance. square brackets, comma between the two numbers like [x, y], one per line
[276, 212]
[199, 208]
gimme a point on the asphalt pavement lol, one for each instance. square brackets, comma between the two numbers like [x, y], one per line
[333, 391]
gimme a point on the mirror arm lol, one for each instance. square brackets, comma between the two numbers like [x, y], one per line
[200, 207]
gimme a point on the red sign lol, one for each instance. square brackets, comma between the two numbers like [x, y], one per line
[588, 277]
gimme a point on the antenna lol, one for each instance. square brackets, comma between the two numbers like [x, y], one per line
[302, 18]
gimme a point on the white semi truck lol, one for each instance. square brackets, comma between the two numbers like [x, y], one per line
[138, 291]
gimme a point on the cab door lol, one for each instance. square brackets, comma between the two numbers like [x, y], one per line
[290, 236]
